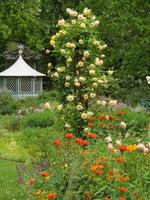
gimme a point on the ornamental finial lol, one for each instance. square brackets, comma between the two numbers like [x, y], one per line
[20, 52]
[21, 47]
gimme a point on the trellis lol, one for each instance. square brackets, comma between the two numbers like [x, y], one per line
[21, 85]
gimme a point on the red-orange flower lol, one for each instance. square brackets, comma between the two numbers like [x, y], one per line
[123, 189]
[91, 119]
[99, 171]
[111, 172]
[92, 135]
[57, 142]
[84, 143]
[44, 174]
[81, 142]
[120, 160]
[120, 113]
[122, 198]
[101, 124]
[69, 135]
[123, 148]
[52, 196]
[126, 178]
[105, 117]
[111, 127]
[91, 125]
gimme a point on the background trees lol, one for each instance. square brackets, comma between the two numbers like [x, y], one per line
[123, 25]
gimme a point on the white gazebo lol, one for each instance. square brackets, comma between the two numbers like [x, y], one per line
[21, 80]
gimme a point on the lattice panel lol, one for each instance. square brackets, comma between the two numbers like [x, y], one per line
[12, 84]
[37, 82]
[25, 85]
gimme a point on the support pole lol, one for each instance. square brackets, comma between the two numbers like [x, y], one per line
[33, 87]
[18, 86]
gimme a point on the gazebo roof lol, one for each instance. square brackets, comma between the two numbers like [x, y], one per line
[21, 68]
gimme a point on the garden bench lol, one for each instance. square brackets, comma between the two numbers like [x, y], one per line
[146, 104]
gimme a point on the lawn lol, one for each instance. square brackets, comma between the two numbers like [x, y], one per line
[9, 189]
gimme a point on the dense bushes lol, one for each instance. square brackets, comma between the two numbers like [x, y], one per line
[32, 120]
[8, 105]
[38, 120]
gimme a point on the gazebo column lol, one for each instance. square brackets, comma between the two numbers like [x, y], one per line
[41, 82]
[33, 86]
[4, 84]
[18, 85]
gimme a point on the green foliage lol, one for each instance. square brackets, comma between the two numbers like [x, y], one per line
[38, 120]
[14, 124]
[7, 104]
[125, 28]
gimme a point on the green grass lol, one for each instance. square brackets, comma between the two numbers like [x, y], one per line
[10, 188]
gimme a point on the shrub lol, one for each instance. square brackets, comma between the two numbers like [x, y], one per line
[14, 124]
[38, 120]
[8, 105]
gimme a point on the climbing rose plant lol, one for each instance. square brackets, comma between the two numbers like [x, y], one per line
[79, 71]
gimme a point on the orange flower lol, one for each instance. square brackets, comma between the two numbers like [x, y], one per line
[69, 135]
[123, 148]
[120, 113]
[132, 147]
[126, 178]
[122, 198]
[91, 125]
[123, 189]
[44, 174]
[57, 142]
[97, 168]
[31, 181]
[120, 160]
[52, 196]
[92, 135]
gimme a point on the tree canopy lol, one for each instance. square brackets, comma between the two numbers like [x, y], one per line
[123, 25]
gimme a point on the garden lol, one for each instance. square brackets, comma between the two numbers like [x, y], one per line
[87, 137]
